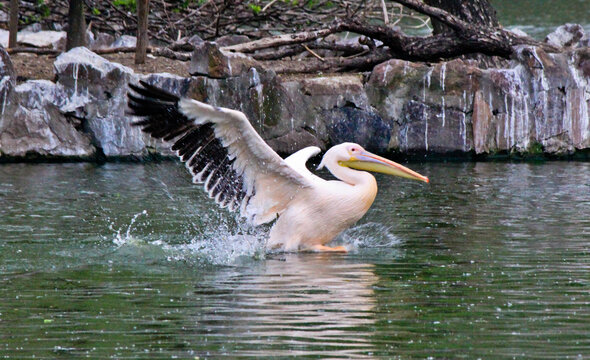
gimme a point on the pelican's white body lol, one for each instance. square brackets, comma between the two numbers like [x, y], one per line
[317, 214]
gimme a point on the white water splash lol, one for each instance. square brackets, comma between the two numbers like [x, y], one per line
[369, 235]
[223, 245]
[219, 247]
[124, 238]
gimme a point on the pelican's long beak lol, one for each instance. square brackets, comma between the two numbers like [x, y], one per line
[371, 162]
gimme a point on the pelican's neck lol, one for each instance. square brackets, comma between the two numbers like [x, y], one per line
[351, 176]
[364, 184]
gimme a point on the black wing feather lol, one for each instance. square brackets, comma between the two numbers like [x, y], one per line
[159, 115]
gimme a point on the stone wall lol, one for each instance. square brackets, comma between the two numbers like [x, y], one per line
[537, 104]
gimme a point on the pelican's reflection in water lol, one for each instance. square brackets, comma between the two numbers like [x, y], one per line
[298, 304]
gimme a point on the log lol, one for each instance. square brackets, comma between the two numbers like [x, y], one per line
[76, 25]
[314, 65]
[13, 24]
[142, 31]
[30, 50]
[280, 40]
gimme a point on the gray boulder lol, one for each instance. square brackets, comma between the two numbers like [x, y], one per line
[32, 125]
[568, 35]
[95, 89]
[124, 41]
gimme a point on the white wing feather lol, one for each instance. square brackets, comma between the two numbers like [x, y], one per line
[271, 181]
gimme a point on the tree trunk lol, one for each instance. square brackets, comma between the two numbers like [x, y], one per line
[475, 12]
[76, 25]
[13, 24]
[142, 32]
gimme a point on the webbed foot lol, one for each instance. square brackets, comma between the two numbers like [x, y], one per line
[323, 248]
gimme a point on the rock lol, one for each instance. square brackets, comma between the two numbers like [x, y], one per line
[96, 89]
[568, 35]
[229, 40]
[124, 41]
[349, 124]
[43, 39]
[538, 101]
[294, 140]
[483, 126]
[427, 105]
[7, 78]
[209, 60]
[101, 41]
[33, 126]
[4, 17]
[195, 40]
[518, 32]
[35, 27]
[4, 38]
[6, 67]
[186, 43]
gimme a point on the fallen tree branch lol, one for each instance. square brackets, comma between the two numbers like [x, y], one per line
[31, 50]
[313, 53]
[163, 52]
[281, 40]
[312, 65]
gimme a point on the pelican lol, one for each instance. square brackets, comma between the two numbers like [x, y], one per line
[240, 172]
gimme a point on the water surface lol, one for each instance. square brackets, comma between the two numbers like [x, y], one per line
[490, 260]
[540, 17]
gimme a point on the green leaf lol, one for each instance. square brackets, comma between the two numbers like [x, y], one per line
[255, 8]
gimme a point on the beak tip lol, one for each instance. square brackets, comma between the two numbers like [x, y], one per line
[426, 180]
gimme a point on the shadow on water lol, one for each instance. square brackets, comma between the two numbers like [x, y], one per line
[489, 260]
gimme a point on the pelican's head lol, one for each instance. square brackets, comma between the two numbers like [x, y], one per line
[353, 156]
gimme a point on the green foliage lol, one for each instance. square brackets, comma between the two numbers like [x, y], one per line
[95, 11]
[311, 3]
[255, 8]
[42, 9]
[185, 3]
[535, 148]
[129, 5]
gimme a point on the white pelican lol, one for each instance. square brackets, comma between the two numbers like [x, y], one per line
[240, 171]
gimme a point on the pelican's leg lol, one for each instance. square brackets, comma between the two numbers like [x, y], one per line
[323, 248]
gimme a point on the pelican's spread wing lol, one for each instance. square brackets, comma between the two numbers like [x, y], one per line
[221, 150]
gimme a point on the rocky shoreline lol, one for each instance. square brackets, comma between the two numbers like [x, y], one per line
[536, 106]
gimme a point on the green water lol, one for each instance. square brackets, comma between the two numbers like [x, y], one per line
[535, 17]
[540, 17]
[128, 261]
